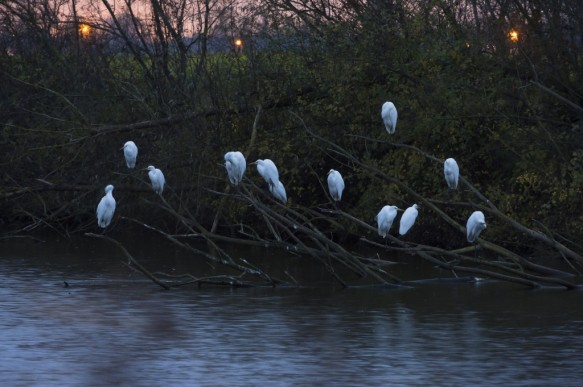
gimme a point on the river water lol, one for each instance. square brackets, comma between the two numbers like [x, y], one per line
[111, 326]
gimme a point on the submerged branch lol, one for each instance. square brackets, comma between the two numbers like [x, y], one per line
[131, 259]
[222, 257]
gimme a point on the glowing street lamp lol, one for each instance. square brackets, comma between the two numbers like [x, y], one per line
[513, 35]
[238, 43]
[84, 29]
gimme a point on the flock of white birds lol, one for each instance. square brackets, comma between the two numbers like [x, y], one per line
[235, 165]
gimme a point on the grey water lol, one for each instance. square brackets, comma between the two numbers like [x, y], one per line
[111, 326]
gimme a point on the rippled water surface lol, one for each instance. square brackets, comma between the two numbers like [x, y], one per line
[113, 327]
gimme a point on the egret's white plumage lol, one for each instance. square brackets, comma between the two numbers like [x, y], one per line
[130, 152]
[157, 179]
[235, 164]
[335, 184]
[106, 208]
[408, 219]
[268, 171]
[278, 191]
[389, 115]
[452, 173]
[476, 223]
[385, 219]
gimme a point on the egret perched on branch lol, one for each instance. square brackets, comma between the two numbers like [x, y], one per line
[385, 219]
[235, 164]
[268, 171]
[451, 172]
[335, 184]
[106, 208]
[130, 151]
[278, 191]
[389, 115]
[408, 219]
[157, 179]
[476, 223]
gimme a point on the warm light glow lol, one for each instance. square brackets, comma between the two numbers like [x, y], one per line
[85, 30]
[238, 42]
[513, 34]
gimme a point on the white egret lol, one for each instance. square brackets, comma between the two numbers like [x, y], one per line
[408, 219]
[268, 171]
[389, 115]
[130, 151]
[278, 191]
[106, 208]
[452, 173]
[235, 164]
[157, 179]
[476, 223]
[385, 219]
[335, 184]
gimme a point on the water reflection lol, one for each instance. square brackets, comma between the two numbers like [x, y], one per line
[111, 327]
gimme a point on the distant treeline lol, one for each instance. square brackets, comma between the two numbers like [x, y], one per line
[507, 107]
